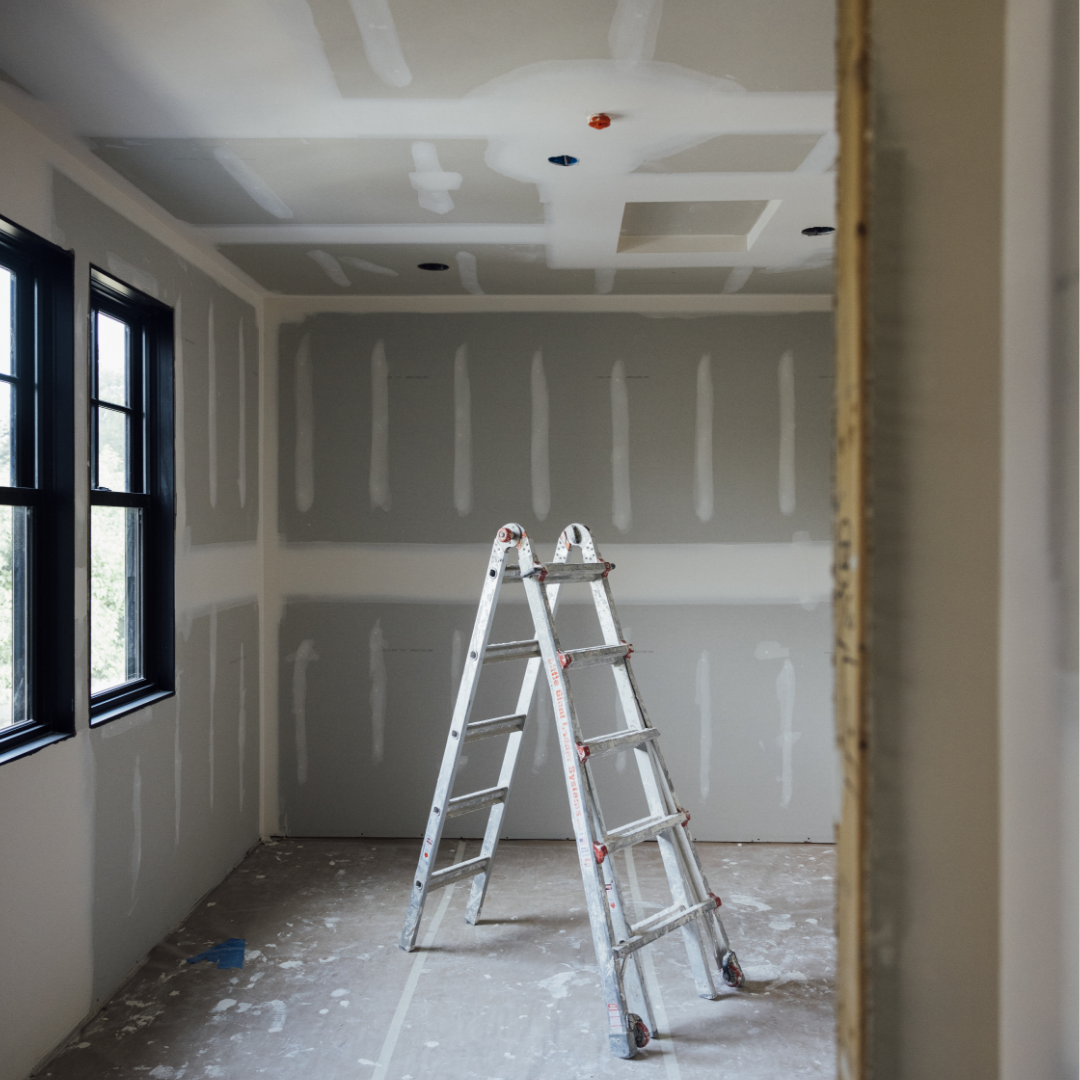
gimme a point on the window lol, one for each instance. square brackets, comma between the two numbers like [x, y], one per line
[37, 476]
[131, 499]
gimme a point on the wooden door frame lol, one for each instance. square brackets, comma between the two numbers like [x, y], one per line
[850, 606]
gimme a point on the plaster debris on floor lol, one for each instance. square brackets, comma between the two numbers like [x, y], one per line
[324, 991]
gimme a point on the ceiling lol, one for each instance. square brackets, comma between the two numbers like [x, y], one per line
[332, 146]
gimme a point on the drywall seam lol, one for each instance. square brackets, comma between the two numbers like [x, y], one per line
[300, 660]
[621, 511]
[786, 478]
[268, 566]
[703, 441]
[466, 264]
[305, 427]
[241, 408]
[646, 573]
[379, 474]
[463, 490]
[703, 700]
[540, 442]
[377, 694]
[252, 183]
[295, 308]
[213, 695]
[785, 695]
[330, 267]
[381, 45]
[211, 405]
[632, 35]
[241, 727]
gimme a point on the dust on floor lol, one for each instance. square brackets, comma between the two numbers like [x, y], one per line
[324, 990]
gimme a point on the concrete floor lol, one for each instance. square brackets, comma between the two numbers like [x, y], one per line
[324, 988]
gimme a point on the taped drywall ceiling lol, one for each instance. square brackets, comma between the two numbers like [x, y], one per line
[427, 131]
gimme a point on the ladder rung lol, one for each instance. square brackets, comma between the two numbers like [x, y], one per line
[477, 800]
[625, 948]
[456, 872]
[617, 740]
[511, 650]
[556, 573]
[600, 654]
[643, 829]
[497, 725]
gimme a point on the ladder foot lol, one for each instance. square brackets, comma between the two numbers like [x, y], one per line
[732, 970]
[638, 1029]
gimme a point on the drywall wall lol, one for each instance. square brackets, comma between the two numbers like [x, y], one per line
[111, 836]
[935, 351]
[698, 449]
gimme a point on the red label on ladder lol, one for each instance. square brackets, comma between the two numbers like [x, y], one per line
[613, 1018]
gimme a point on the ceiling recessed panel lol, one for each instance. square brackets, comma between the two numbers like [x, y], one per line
[393, 270]
[318, 181]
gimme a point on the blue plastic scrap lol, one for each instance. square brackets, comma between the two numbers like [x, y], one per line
[228, 954]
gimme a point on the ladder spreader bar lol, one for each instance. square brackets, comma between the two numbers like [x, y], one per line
[625, 948]
[511, 650]
[497, 725]
[617, 740]
[468, 868]
[477, 800]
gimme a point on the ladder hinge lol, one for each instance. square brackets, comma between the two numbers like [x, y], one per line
[508, 535]
[713, 896]
[565, 660]
[599, 850]
[582, 752]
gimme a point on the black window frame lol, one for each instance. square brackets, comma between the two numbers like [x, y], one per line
[152, 470]
[44, 446]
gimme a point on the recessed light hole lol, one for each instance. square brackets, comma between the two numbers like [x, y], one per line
[432, 266]
[563, 159]
[818, 230]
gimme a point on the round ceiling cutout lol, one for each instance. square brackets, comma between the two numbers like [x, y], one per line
[818, 230]
[432, 266]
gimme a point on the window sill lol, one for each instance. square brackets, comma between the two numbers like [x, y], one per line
[125, 701]
[32, 744]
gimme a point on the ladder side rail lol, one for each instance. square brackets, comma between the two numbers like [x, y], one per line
[481, 634]
[659, 791]
[620, 1039]
[633, 978]
[687, 887]
[493, 829]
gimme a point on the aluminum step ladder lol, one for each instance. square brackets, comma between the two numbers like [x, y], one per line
[693, 910]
